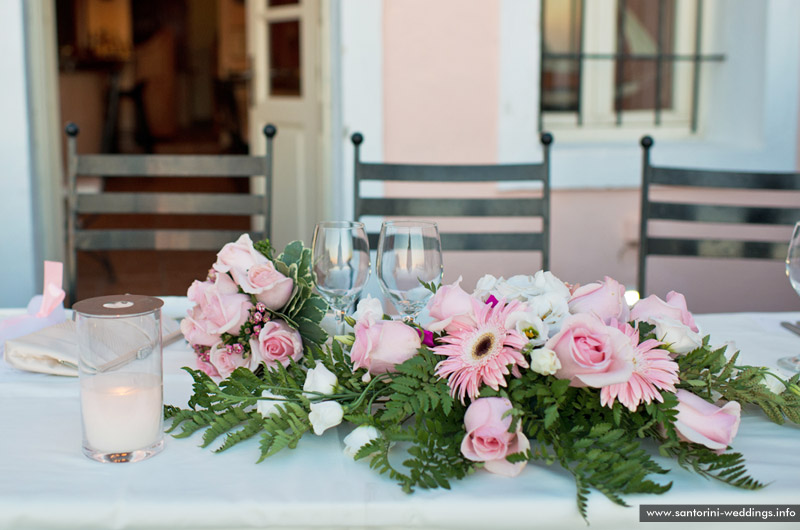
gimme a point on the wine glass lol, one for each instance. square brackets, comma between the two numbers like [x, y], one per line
[341, 264]
[409, 252]
[793, 272]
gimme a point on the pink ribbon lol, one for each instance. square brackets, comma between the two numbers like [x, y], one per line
[52, 294]
[50, 310]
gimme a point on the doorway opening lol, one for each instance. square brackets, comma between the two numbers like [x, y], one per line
[154, 76]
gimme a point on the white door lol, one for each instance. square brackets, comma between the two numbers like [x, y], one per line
[284, 46]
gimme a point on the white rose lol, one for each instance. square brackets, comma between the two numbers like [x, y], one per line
[486, 286]
[545, 361]
[360, 437]
[267, 407]
[676, 336]
[369, 307]
[530, 325]
[551, 308]
[325, 415]
[319, 379]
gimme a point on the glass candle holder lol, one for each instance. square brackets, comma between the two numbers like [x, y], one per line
[121, 378]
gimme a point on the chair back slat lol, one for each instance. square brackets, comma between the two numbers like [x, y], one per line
[171, 165]
[717, 248]
[713, 213]
[452, 207]
[737, 216]
[704, 178]
[538, 206]
[171, 203]
[451, 173]
[511, 241]
[156, 239]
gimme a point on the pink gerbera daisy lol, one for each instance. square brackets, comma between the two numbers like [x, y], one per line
[480, 352]
[653, 370]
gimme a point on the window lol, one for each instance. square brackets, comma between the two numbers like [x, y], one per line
[620, 63]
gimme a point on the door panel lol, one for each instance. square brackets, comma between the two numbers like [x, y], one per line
[284, 49]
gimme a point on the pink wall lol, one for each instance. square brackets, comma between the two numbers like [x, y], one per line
[440, 80]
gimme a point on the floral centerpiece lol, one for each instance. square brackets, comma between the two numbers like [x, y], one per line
[520, 370]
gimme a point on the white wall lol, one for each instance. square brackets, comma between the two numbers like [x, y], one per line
[18, 263]
[361, 76]
[749, 102]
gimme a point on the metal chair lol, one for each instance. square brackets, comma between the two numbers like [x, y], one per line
[81, 203]
[456, 175]
[734, 217]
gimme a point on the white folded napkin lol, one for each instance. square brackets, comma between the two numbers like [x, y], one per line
[54, 349]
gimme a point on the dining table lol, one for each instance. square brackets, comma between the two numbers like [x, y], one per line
[46, 482]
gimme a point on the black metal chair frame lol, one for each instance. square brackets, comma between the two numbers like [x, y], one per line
[155, 166]
[462, 207]
[710, 213]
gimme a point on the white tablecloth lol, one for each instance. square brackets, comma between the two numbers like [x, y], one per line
[46, 482]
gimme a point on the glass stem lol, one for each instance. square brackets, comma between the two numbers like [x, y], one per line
[339, 314]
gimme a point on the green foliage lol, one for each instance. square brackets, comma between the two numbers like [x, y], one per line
[432, 287]
[600, 446]
[218, 409]
[305, 309]
[729, 468]
[284, 429]
[421, 413]
[417, 390]
[264, 248]
[705, 371]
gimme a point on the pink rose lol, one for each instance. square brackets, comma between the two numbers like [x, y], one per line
[449, 303]
[674, 308]
[207, 367]
[277, 343]
[704, 423]
[224, 361]
[222, 309]
[592, 353]
[270, 286]
[194, 327]
[382, 344]
[488, 439]
[605, 299]
[237, 258]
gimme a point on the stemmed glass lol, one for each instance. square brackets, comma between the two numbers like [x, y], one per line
[341, 264]
[793, 272]
[409, 252]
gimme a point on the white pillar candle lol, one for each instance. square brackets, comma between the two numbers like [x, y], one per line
[122, 412]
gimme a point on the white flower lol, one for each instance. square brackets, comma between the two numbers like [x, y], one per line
[360, 437]
[530, 325]
[774, 384]
[266, 407]
[545, 361]
[368, 307]
[486, 286]
[547, 282]
[325, 415]
[676, 336]
[551, 308]
[518, 287]
[319, 379]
